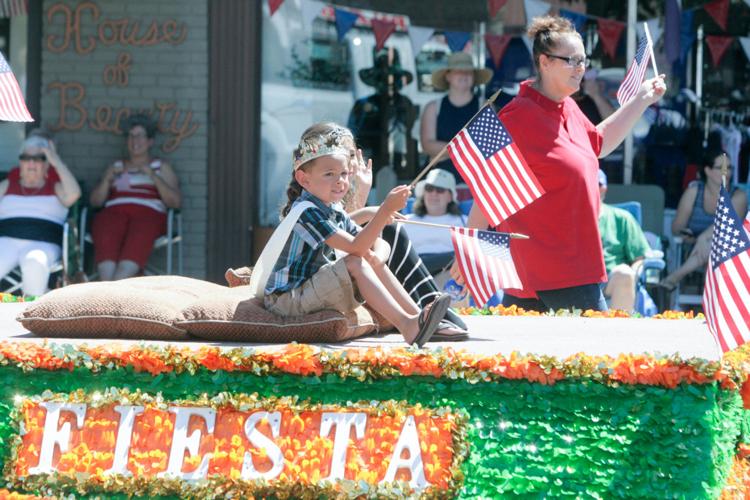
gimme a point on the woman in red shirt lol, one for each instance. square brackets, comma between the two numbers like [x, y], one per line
[561, 265]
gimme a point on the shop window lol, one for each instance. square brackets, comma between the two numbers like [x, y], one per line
[327, 65]
[433, 56]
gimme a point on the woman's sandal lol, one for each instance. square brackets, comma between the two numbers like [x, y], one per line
[430, 318]
[448, 332]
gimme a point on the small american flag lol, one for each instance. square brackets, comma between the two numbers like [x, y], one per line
[12, 105]
[726, 297]
[746, 224]
[633, 79]
[493, 167]
[485, 261]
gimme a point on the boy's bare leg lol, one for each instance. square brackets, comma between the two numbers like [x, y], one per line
[377, 296]
[396, 289]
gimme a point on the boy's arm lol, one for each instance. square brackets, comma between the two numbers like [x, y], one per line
[362, 243]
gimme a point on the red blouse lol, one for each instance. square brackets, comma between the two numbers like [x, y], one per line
[561, 146]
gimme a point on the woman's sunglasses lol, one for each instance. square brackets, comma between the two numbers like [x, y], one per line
[38, 158]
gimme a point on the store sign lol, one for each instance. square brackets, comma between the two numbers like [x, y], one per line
[71, 27]
[268, 441]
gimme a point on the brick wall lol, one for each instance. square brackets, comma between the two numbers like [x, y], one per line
[167, 75]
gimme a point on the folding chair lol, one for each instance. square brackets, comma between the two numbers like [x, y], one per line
[167, 242]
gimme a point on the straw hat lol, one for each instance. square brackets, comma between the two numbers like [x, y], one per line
[439, 178]
[460, 61]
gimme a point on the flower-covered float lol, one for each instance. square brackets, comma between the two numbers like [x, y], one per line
[306, 421]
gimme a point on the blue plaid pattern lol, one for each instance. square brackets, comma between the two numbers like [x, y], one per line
[306, 251]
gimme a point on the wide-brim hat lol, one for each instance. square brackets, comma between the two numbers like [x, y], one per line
[463, 62]
[382, 68]
[439, 178]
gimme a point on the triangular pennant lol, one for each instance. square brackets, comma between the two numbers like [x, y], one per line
[609, 34]
[672, 20]
[653, 28]
[457, 40]
[382, 30]
[344, 22]
[419, 36]
[687, 33]
[494, 6]
[273, 5]
[719, 11]
[745, 42]
[535, 8]
[311, 9]
[497, 44]
[578, 19]
[718, 46]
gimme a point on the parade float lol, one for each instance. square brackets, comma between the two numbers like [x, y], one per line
[377, 419]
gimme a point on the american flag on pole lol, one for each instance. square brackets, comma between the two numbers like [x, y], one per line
[12, 105]
[634, 77]
[485, 261]
[726, 297]
[493, 167]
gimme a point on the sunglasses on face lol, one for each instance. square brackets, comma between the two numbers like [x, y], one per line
[572, 61]
[430, 189]
[37, 158]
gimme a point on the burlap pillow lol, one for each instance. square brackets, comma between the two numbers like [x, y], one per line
[235, 317]
[142, 308]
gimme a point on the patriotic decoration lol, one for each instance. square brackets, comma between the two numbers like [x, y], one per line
[485, 262]
[746, 224]
[633, 79]
[12, 105]
[726, 297]
[493, 167]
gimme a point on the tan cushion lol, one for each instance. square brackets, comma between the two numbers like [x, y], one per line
[136, 308]
[234, 317]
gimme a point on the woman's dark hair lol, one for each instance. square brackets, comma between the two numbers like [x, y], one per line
[142, 120]
[421, 210]
[546, 32]
[707, 160]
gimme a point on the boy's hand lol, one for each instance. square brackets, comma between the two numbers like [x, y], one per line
[396, 199]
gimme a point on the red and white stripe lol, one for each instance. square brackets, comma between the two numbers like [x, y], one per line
[634, 77]
[502, 184]
[726, 301]
[12, 106]
[484, 275]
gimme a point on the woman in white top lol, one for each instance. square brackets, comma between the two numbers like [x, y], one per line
[436, 204]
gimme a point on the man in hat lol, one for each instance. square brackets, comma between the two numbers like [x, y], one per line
[382, 122]
[444, 118]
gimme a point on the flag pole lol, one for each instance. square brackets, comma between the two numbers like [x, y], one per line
[650, 48]
[724, 169]
[440, 155]
[517, 236]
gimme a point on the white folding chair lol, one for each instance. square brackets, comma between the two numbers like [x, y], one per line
[167, 242]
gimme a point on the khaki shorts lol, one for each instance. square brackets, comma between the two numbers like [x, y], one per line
[330, 288]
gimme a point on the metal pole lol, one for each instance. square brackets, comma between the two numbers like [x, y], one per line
[627, 174]
[699, 70]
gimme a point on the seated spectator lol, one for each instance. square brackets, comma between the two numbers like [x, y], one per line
[625, 246]
[436, 204]
[694, 220]
[135, 193]
[34, 202]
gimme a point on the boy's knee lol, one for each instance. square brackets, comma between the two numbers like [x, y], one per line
[354, 264]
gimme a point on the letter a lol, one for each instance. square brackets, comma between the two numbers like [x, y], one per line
[409, 439]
